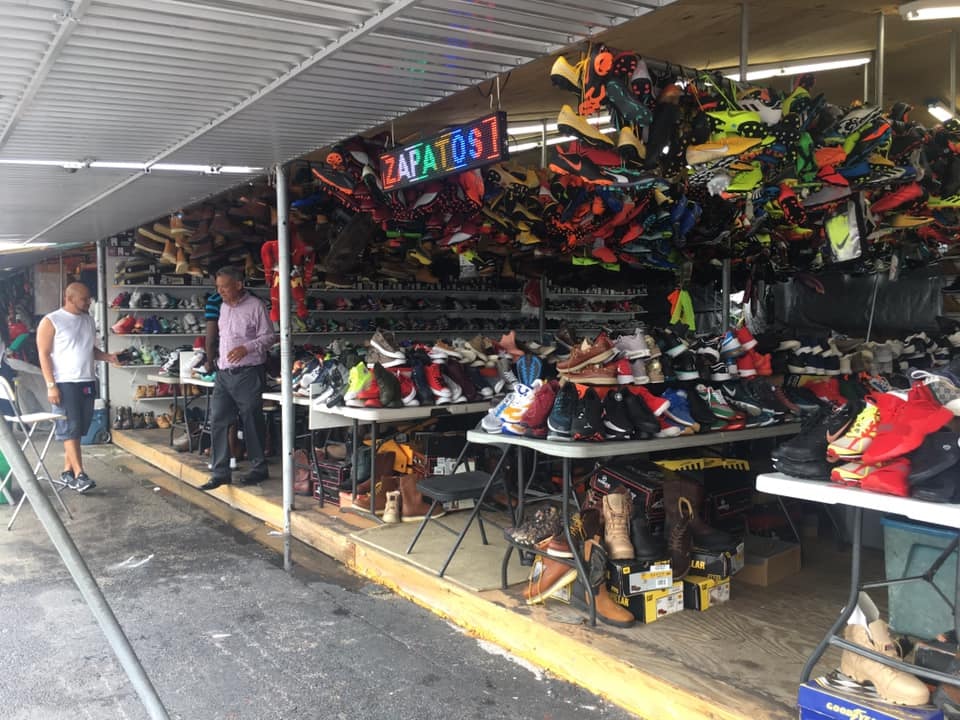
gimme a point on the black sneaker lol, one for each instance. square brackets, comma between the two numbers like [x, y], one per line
[701, 412]
[938, 452]
[560, 420]
[389, 387]
[337, 383]
[705, 362]
[814, 470]
[67, 479]
[587, 421]
[644, 422]
[82, 483]
[739, 398]
[808, 447]
[424, 394]
[765, 395]
[616, 419]
[685, 366]
[806, 401]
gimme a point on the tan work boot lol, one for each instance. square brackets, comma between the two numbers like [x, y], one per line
[413, 508]
[616, 522]
[391, 513]
[893, 686]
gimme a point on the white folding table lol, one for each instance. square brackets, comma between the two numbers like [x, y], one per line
[569, 451]
[944, 514]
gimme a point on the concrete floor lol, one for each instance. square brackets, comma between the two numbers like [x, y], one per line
[223, 632]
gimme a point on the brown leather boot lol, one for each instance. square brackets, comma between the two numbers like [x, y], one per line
[704, 536]
[616, 526]
[595, 560]
[551, 575]
[384, 481]
[413, 508]
[680, 541]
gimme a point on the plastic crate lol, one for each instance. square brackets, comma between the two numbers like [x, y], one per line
[910, 548]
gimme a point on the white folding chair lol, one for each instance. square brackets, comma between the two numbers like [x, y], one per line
[30, 424]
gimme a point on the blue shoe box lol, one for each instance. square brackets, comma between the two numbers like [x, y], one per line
[819, 703]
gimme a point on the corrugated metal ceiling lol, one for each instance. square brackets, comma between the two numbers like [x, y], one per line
[238, 82]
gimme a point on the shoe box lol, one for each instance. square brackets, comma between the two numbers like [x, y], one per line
[768, 560]
[822, 703]
[702, 593]
[121, 240]
[628, 577]
[717, 564]
[650, 606]
[644, 481]
[331, 476]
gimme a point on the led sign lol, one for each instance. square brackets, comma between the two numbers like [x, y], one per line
[464, 147]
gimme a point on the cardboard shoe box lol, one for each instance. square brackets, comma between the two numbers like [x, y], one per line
[768, 560]
[717, 565]
[652, 605]
[630, 578]
[820, 703]
[644, 481]
[702, 593]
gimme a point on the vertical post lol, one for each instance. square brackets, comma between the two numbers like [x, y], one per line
[953, 72]
[62, 288]
[287, 420]
[744, 40]
[881, 52]
[543, 144]
[82, 577]
[542, 315]
[102, 370]
[866, 83]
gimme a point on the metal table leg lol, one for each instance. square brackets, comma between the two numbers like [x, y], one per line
[581, 571]
[373, 468]
[355, 459]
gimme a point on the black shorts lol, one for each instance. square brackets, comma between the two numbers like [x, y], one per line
[76, 402]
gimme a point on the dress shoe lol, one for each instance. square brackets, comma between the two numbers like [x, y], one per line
[254, 479]
[213, 483]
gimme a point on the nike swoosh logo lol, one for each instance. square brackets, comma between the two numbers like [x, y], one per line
[574, 165]
[833, 437]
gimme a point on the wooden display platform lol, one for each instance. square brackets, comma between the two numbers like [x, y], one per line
[741, 660]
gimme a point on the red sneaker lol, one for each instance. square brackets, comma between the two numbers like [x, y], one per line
[761, 362]
[370, 392]
[657, 405]
[890, 479]
[624, 372]
[828, 390]
[903, 431]
[435, 380]
[746, 338]
[537, 412]
[745, 366]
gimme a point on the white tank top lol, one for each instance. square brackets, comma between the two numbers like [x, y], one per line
[73, 346]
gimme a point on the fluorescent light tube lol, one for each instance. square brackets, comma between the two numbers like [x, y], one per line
[798, 67]
[929, 10]
[939, 111]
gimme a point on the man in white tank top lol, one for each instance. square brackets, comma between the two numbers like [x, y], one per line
[65, 341]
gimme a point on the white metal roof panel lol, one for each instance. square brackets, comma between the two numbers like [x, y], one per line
[239, 82]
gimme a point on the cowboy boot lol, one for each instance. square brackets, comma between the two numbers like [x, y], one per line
[616, 519]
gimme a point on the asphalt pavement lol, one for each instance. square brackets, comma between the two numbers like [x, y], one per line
[224, 633]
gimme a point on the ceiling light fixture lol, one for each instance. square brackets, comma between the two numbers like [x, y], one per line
[799, 67]
[939, 111]
[929, 10]
[551, 127]
[74, 165]
[12, 246]
[521, 147]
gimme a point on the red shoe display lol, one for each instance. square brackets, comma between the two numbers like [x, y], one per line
[903, 430]
[657, 405]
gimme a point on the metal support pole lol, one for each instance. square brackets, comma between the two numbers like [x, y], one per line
[725, 296]
[881, 51]
[744, 40]
[80, 573]
[866, 83]
[953, 72]
[102, 370]
[287, 420]
[543, 144]
[541, 314]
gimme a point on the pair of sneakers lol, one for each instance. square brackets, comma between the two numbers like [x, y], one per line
[81, 483]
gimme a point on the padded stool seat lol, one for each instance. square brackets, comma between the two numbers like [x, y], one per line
[459, 486]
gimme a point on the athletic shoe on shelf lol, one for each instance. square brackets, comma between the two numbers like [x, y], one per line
[745, 367]
[944, 389]
[669, 429]
[639, 370]
[739, 397]
[654, 371]
[435, 381]
[617, 424]
[505, 368]
[644, 422]
[891, 478]
[560, 420]
[442, 350]
[716, 402]
[903, 427]
[456, 392]
[523, 397]
[862, 431]
[672, 343]
[534, 418]
[813, 470]
[633, 347]
[730, 345]
[588, 418]
[368, 396]
[719, 370]
[762, 363]
[746, 339]
[658, 405]
[600, 351]
[701, 413]
[624, 371]
[484, 389]
[685, 366]
[595, 375]
[357, 381]
[679, 409]
[851, 473]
